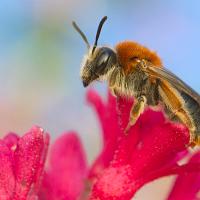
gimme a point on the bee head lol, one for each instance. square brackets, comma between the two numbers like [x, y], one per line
[98, 61]
[97, 65]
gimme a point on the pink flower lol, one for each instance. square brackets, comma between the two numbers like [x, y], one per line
[21, 164]
[151, 150]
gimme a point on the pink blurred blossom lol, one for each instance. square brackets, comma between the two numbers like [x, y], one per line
[67, 172]
[21, 164]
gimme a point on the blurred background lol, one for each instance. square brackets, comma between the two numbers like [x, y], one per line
[40, 56]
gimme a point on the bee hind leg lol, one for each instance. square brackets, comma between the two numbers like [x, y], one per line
[194, 138]
[136, 110]
[180, 116]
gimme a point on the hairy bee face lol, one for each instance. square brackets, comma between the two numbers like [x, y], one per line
[97, 64]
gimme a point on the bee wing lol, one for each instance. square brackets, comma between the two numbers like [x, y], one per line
[165, 74]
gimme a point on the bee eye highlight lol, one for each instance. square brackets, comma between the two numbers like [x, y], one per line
[103, 60]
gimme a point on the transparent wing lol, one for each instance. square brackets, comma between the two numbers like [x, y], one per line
[176, 82]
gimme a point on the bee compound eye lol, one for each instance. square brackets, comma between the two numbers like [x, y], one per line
[106, 58]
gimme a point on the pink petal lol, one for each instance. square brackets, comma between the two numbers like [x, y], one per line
[68, 169]
[28, 156]
[123, 109]
[108, 117]
[7, 180]
[115, 183]
[106, 112]
[158, 148]
[189, 182]
[40, 171]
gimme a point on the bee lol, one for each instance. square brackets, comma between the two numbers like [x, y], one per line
[132, 70]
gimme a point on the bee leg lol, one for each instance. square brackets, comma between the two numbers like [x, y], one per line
[114, 92]
[135, 112]
[194, 139]
[179, 115]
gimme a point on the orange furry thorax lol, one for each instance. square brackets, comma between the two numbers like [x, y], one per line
[129, 51]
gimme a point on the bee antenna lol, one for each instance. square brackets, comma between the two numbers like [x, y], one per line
[98, 32]
[81, 33]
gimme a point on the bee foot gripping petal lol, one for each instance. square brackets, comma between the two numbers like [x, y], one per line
[130, 124]
[136, 110]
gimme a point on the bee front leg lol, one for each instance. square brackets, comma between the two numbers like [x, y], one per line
[136, 110]
[114, 91]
